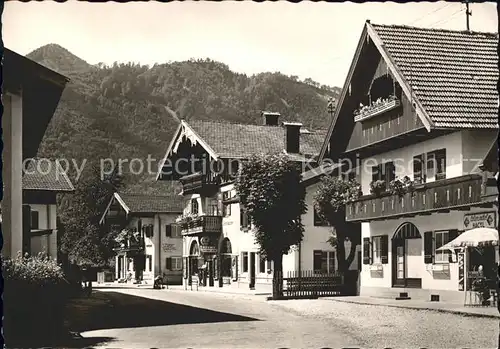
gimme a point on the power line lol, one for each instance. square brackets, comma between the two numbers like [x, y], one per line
[431, 12]
[444, 20]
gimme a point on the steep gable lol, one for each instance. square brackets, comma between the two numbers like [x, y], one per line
[447, 78]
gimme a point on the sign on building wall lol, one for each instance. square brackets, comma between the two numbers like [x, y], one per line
[168, 247]
[461, 271]
[479, 220]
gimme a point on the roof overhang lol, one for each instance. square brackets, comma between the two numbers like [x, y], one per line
[314, 175]
[41, 90]
[367, 34]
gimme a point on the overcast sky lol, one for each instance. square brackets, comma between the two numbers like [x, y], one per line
[315, 40]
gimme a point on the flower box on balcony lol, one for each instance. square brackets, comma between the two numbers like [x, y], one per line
[376, 109]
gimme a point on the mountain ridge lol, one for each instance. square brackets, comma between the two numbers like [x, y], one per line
[129, 110]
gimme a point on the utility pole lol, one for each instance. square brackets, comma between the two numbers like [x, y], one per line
[468, 13]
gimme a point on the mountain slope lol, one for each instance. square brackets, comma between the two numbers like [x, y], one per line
[128, 111]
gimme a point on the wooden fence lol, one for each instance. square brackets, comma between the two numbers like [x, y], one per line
[309, 283]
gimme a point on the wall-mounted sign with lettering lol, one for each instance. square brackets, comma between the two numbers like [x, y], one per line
[168, 247]
[208, 244]
[479, 220]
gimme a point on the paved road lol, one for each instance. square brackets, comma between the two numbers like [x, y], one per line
[179, 319]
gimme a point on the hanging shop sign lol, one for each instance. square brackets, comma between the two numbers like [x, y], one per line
[461, 271]
[208, 244]
[479, 220]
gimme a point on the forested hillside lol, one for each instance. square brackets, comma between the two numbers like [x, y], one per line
[129, 111]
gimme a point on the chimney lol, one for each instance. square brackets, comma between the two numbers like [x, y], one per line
[270, 118]
[292, 137]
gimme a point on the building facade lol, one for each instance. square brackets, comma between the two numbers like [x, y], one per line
[151, 237]
[30, 96]
[419, 125]
[42, 181]
[218, 241]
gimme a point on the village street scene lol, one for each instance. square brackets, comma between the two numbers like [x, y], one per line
[212, 177]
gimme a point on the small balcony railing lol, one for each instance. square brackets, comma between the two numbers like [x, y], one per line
[132, 247]
[202, 224]
[376, 109]
[443, 195]
[198, 183]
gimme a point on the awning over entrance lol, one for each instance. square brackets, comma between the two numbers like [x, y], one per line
[407, 231]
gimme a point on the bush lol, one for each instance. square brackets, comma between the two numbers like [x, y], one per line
[35, 295]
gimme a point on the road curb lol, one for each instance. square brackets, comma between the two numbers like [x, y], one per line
[217, 292]
[448, 311]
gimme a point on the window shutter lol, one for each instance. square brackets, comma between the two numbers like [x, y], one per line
[244, 223]
[317, 260]
[34, 219]
[26, 228]
[168, 230]
[428, 247]
[390, 172]
[452, 235]
[366, 250]
[139, 226]
[384, 249]
[168, 263]
[234, 268]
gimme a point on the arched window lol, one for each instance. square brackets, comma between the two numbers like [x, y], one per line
[405, 231]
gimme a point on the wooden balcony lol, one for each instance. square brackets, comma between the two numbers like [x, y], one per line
[202, 224]
[198, 183]
[377, 110]
[459, 193]
[132, 248]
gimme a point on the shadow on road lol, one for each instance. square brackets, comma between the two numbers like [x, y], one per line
[126, 311]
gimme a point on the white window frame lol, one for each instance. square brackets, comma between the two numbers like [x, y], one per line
[441, 257]
[329, 267]
[376, 250]
[176, 263]
[175, 233]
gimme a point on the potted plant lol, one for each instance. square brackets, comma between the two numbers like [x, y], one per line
[401, 186]
[378, 187]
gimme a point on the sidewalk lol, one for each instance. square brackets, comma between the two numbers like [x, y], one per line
[216, 289]
[490, 312]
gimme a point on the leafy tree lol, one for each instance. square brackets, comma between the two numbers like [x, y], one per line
[271, 191]
[83, 239]
[329, 201]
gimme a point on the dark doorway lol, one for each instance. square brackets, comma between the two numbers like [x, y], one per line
[252, 270]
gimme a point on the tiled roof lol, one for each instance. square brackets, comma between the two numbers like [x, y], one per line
[153, 204]
[43, 174]
[231, 140]
[452, 73]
